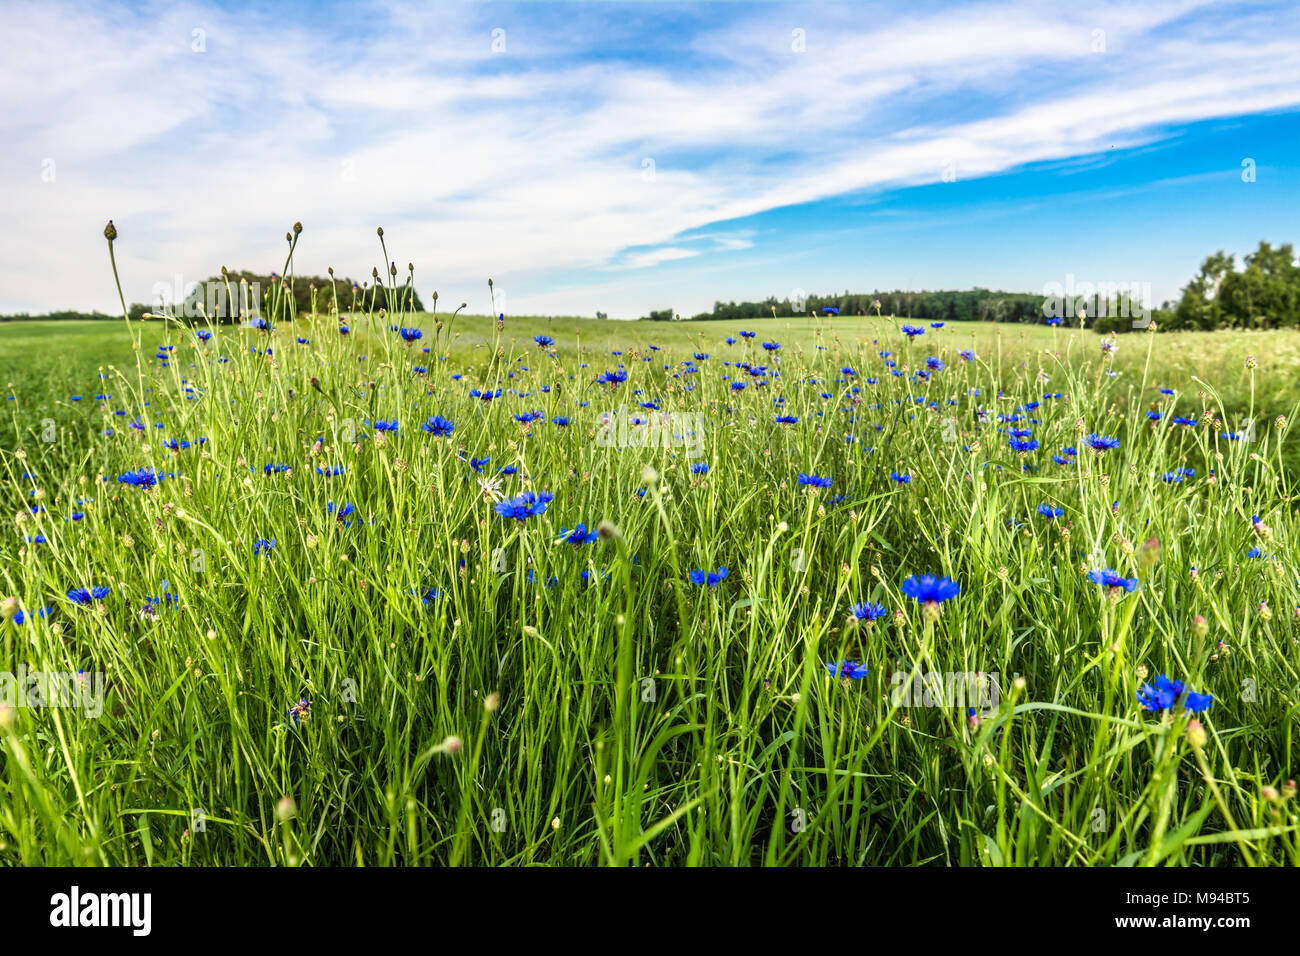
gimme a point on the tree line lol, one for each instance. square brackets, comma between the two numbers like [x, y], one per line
[233, 296]
[1263, 294]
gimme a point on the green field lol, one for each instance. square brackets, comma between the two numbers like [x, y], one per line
[286, 684]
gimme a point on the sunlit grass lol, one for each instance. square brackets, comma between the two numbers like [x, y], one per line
[642, 718]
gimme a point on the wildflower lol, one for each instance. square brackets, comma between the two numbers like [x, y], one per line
[787, 420]
[1101, 443]
[20, 616]
[578, 536]
[930, 589]
[263, 546]
[901, 479]
[144, 478]
[300, 711]
[1112, 579]
[426, 595]
[912, 331]
[847, 669]
[1163, 694]
[1048, 511]
[710, 578]
[490, 488]
[814, 481]
[868, 612]
[439, 427]
[87, 596]
[525, 506]
[410, 335]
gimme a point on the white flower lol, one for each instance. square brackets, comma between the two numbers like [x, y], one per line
[491, 489]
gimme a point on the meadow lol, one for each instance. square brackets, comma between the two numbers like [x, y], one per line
[419, 593]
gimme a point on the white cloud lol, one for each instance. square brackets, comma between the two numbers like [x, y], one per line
[528, 165]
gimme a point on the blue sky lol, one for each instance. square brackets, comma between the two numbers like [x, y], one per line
[626, 157]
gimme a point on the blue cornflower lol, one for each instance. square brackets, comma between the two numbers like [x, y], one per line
[930, 589]
[427, 595]
[525, 506]
[847, 669]
[383, 426]
[787, 420]
[1023, 444]
[1102, 442]
[1164, 693]
[912, 331]
[901, 479]
[84, 596]
[868, 612]
[410, 335]
[439, 427]
[299, 711]
[700, 468]
[710, 578]
[1048, 511]
[613, 378]
[203, 335]
[814, 481]
[560, 420]
[340, 512]
[545, 341]
[772, 346]
[1112, 579]
[263, 546]
[144, 478]
[578, 536]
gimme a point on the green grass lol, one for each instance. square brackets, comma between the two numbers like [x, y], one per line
[643, 719]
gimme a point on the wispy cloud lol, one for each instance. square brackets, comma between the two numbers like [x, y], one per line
[541, 143]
